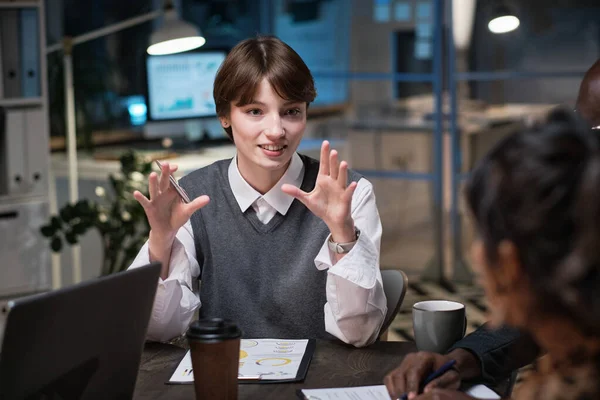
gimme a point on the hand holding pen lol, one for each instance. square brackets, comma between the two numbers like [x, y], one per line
[414, 369]
[182, 193]
[167, 210]
[434, 375]
[169, 206]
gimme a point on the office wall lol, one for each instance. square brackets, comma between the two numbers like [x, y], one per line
[321, 38]
[54, 20]
[370, 51]
[563, 37]
[404, 205]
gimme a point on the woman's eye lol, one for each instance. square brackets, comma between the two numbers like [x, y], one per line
[294, 112]
[254, 111]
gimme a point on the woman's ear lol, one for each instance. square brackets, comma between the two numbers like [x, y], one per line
[509, 273]
[224, 122]
[513, 291]
[505, 284]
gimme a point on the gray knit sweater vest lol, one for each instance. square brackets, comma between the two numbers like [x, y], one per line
[261, 276]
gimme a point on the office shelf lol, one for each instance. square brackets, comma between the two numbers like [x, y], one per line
[24, 148]
[21, 102]
[19, 4]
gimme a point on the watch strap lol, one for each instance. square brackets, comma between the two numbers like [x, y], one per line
[343, 248]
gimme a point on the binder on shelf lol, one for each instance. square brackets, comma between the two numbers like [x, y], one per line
[30, 51]
[15, 137]
[1, 66]
[3, 152]
[36, 145]
[11, 52]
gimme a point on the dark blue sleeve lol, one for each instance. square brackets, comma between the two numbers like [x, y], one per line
[500, 351]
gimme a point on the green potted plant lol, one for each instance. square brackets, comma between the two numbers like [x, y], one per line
[117, 216]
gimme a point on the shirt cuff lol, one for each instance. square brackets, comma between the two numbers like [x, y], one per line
[358, 266]
[180, 264]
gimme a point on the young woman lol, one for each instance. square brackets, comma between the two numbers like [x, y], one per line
[284, 245]
[535, 200]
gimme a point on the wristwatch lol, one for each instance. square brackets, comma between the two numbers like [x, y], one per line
[343, 248]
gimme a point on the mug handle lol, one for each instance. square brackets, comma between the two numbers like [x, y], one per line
[465, 327]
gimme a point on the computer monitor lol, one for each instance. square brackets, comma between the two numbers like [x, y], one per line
[179, 95]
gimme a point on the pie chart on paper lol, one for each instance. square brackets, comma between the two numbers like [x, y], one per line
[273, 362]
[247, 343]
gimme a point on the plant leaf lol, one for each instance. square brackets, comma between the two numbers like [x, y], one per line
[82, 207]
[56, 223]
[47, 230]
[71, 237]
[80, 228]
[67, 212]
[56, 244]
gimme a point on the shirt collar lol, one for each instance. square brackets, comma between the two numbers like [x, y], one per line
[246, 195]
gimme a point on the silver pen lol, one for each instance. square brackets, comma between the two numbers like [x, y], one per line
[175, 185]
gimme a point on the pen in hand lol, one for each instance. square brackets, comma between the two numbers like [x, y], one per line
[184, 197]
[434, 375]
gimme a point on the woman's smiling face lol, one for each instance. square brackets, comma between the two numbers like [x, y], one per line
[267, 131]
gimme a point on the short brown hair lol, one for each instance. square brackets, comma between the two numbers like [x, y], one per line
[252, 60]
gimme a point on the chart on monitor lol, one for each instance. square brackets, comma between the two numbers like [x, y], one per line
[181, 85]
[180, 93]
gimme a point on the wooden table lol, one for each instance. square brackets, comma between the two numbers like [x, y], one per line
[334, 364]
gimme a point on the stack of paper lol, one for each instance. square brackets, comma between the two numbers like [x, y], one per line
[380, 393]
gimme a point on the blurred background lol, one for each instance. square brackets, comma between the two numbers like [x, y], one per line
[412, 93]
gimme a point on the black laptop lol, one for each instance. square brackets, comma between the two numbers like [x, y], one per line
[80, 342]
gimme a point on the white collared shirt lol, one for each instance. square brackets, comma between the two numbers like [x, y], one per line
[356, 303]
[272, 202]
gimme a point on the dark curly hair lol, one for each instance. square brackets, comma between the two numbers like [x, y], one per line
[540, 190]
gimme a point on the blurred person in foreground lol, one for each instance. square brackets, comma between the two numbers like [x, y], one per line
[535, 201]
[489, 354]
